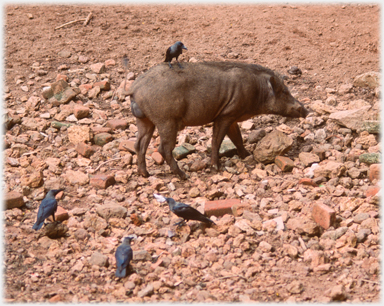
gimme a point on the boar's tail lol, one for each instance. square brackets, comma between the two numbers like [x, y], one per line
[136, 111]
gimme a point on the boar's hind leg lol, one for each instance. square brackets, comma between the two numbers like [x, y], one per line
[168, 135]
[235, 135]
[145, 131]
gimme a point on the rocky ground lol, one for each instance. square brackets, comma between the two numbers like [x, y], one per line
[308, 233]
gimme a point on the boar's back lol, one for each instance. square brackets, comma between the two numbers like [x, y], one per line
[198, 93]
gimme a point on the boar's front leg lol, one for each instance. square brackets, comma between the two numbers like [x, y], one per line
[235, 135]
[145, 131]
[168, 133]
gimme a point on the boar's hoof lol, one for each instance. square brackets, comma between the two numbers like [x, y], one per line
[182, 175]
[215, 167]
[142, 172]
[243, 154]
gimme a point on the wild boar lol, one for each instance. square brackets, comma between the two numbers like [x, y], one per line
[220, 92]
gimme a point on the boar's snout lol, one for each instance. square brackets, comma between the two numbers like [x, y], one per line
[297, 110]
[303, 111]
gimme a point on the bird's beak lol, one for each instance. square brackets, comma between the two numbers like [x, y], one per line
[184, 48]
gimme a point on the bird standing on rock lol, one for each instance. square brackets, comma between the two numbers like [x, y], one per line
[174, 51]
[47, 208]
[123, 256]
[183, 210]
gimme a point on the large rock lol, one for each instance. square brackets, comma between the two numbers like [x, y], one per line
[77, 134]
[303, 226]
[76, 177]
[274, 144]
[81, 111]
[54, 230]
[330, 169]
[370, 158]
[366, 140]
[314, 257]
[60, 215]
[32, 124]
[111, 210]
[183, 150]
[308, 158]
[352, 119]
[227, 148]
[321, 108]
[102, 139]
[64, 97]
[95, 222]
[99, 259]
[52, 162]
[351, 204]
[371, 126]
[141, 255]
[369, 79]
[32, 180]
[147, 291]
[58, 87]
[10, 120]
[256, 135]
[13, 199]
[356, 104]
[98, 68]
[337, 293]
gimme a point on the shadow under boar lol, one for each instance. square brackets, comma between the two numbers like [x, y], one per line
[220, 92]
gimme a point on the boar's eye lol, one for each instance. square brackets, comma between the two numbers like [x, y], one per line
[285, 90]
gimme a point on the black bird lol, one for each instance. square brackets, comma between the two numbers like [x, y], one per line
[123, 256]
[184, 211]
[47, 208]
[174, 51]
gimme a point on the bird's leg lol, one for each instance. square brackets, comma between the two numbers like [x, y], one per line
[179, 224]
[170, 66]
[179, 64]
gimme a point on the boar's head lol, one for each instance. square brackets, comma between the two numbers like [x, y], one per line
[281, 102]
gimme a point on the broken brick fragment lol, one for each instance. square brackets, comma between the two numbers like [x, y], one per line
[323, 215]
[102, 180]
[220, 207]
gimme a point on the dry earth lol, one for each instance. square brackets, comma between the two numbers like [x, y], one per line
[243, 258]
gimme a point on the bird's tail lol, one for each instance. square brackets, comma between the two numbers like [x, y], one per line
[121, 272]
[207, 220]
[37, 226]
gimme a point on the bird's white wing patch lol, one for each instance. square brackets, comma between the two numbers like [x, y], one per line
[159, 197]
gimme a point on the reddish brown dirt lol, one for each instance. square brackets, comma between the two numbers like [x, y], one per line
[330, 44]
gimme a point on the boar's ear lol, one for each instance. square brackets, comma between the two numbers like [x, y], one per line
[276, 86]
